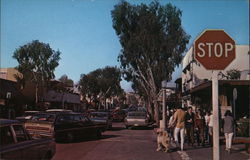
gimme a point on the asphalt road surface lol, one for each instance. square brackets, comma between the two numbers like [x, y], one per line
[116, 144]
[137, 144]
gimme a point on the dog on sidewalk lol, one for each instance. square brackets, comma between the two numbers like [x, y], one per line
[163, 140]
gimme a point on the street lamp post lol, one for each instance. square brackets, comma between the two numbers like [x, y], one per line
[164, 86]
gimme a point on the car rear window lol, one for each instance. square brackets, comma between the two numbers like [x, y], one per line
[44, 117]
[71, 118]
[6, 136]
[20, 133]
[137, 115]
[30, 113]
[101, 115]
[65, 118]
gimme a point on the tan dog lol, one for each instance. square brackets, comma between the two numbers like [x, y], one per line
[163, 140]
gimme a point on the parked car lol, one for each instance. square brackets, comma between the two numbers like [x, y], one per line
[102, 118]
[27, 115]
[63, 126]
[16, 143]
[58, 110]
[118, 115]
[136, 118]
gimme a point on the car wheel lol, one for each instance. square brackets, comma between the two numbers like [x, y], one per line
[47, 156]
[110, 127]
[98, 134]
[69, 137]
[58, 139]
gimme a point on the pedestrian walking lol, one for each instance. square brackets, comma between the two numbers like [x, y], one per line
[189, 124]
[228, 129]
[200, 127]
[171, 125]
[179, 119]
[210, 128]
[206, 127]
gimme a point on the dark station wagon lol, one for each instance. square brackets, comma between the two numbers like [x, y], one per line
[104, 118]
[16, 143]
[63, 126]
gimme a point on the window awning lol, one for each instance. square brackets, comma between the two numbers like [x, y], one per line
[207, 84]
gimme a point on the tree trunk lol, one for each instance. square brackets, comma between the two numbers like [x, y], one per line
[36, 93]
[156, 113]
[149, 106]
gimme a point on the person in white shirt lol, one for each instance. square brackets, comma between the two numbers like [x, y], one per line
[206, 127]
[210, 126]
[171, 126]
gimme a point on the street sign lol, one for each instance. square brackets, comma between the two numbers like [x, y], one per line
[214, 49]
[8, 95]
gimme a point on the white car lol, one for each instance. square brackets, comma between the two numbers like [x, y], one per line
[58, 110]
[136, 118]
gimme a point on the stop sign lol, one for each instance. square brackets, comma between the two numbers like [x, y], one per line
[214, 49]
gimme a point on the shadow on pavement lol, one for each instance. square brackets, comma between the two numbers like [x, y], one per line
[117, 128]
[187, 148]
[109, 136]
[141, 128]
[86, 139]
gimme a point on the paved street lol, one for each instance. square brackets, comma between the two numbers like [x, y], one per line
[118, 144]
[136, 144]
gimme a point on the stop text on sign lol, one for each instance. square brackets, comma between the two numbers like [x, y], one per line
[214, 49]
[217, 49]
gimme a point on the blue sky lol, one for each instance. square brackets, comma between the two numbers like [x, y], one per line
[82, 29]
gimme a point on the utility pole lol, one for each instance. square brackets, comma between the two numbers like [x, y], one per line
[216, 144]
[164, 85]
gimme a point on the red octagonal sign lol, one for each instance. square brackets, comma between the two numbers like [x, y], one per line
[214, 49]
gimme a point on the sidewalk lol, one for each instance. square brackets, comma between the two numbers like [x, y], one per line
[206, 153]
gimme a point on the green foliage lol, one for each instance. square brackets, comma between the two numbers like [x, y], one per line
[243, 127]
[67, 81]
[152, 40]
[151, 36]
[36, 61]
[103, 82]
[88, 85]
[233, 74]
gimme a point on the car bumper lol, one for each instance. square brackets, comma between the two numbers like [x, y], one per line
[136, 124]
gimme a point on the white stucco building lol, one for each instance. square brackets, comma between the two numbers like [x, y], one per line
[194, 73]
[196, 81]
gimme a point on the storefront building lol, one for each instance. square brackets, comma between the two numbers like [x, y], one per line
[234, 83]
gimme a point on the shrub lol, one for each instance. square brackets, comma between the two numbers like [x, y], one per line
[243, 127]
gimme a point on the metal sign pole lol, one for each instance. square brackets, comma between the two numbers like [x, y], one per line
[206, 52]
[234, 115]
[216, 144]
[234, 98]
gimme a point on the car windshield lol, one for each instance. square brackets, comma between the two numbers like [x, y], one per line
[30, 113]
[58, 110]
[101, 115]
[44, 117]
[136, 114]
